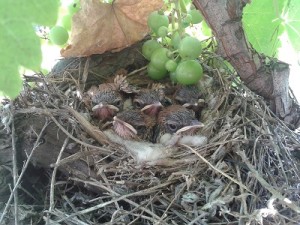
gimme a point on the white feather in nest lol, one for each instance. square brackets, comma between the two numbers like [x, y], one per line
[159, 153]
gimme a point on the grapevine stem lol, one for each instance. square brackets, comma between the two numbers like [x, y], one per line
[177, 10]
[173, 20]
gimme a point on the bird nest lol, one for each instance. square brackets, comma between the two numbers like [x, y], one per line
[74, 174]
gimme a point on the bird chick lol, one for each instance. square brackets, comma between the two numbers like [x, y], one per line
[176, 121]
[107, 99]
[134, 124]
[106, 104]
[149, 101]
[190, 97]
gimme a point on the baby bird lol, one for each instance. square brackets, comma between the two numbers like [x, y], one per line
[189, 97]
[174, 122]
[134, 125]
[133, 130]
[149, 101]
[106, 99]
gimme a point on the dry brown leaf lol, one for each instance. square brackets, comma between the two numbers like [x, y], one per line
[100, 27]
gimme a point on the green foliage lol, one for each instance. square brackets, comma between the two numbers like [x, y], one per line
[19, 44]
[262, 24]
[74, 7]
[206, 29]
[66, 21]
[292, 23]
[265, 21]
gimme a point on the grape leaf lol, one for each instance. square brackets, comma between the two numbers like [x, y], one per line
[100, 27]
[262, 25]
[19, 44]
[206, 31]
[292, 23]
[40, 12]
[10, 81]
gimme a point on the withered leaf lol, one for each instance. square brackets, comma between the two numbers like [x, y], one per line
[100, 27]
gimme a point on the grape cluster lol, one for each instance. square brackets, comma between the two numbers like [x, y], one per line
[59, 34]
[172, 51]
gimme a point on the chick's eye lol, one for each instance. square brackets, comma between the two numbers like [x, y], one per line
[137, 104]
[140, 129]
[117, 102]
[172, 127]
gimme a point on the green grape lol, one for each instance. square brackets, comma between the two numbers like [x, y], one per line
[162, 31]
[66, 21]
[157, 20]
[189, 48]
[188, 19]
[159, 58]
[74, 7]
[185, 24]
[58, 35]
[149, 47]
[196, 16]
[171, 65]
[170, 54]
[154, 73]
[175, 40]
[188, 72]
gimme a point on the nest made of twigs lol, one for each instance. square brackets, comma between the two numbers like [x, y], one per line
[245, 174]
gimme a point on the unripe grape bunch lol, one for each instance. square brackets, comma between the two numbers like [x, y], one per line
[171, 51]
[59, 34]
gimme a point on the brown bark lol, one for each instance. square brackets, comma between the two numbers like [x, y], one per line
[271, 82]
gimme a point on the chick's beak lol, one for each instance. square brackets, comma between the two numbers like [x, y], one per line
[197, 104]
[123, 129]
[152, 109]
[101, 106]
[104, 111]
[195, 124]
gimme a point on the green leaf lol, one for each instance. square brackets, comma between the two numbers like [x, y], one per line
[10, 80]
[42, 12]
[183, 5]
[292, 23]
[19, 44]
[262, 25]
[206, 29]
